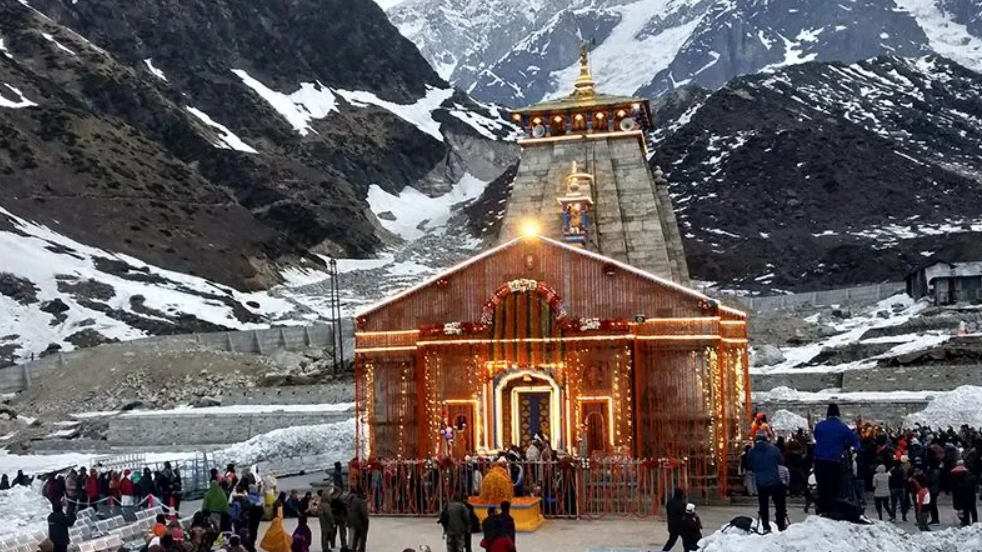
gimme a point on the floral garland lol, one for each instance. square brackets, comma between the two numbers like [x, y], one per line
[452, 328]
[524, 285]
[592, 324]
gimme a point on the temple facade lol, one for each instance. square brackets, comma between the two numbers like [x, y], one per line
[539, 337]
[584, 179]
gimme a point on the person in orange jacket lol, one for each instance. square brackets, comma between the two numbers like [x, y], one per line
[758, 419]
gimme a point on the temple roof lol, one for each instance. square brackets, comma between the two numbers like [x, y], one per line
[574, 101]
[547, 246]
[584, 93]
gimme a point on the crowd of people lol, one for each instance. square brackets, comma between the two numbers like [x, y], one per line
[833, 466]
[837, 467]
[229, 519]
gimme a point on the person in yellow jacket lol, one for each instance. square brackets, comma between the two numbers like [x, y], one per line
[276, 538]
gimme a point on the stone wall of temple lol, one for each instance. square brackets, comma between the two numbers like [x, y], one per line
[632, 220]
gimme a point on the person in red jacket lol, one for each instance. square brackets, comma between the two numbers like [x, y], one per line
[92, 488]
[127, 492]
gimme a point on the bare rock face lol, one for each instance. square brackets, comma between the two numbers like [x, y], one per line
[19, 289]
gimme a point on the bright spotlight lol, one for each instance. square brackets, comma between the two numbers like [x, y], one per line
[530, 228]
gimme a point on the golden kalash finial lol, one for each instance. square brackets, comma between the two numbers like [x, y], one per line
[584, 85]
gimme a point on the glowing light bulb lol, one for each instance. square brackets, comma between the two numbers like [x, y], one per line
[530, 228]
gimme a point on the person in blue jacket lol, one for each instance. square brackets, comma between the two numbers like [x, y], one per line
[763, 460]
[832, 438]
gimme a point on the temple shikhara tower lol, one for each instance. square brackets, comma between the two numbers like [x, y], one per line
[588, 151]
[577, 329]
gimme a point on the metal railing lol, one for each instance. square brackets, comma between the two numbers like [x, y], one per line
[571, 488]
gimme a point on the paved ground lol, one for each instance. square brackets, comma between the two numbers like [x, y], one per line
[392, 534]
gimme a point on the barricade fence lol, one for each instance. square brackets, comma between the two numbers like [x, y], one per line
[569, 488]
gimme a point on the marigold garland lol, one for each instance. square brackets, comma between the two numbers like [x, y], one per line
[496, 486]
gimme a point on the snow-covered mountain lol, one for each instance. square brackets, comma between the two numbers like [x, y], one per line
[517, 52]
[826, 174]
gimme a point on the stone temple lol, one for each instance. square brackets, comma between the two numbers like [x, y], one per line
[584, 179]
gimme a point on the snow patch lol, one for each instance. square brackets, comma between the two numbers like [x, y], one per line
[156, 72]
[827, 395]
[316, 101]
[244, 409]
[954, 408]
[311, 101]
[416, 213]
[784, 420]
[19, 103]
[23, 511]
[624, 74]
[946, 37]
[226, 138]
[419, 114]
[336, 440]
[40, 254]
[819, 534]
[57, 44]
[485, 126]
[4, 50]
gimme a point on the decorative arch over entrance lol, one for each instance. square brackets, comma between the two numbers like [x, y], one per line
[556, 304]
[527, 402]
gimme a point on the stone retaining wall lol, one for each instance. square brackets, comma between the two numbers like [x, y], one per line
[880, 378]
[845, 296]
[195, 428]
[802, 381]
[299, 394]
[905, 378]
[886, 412]
[291, 338]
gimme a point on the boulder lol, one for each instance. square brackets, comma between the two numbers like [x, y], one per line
[767, 355]
[133, 404]
[206, 401]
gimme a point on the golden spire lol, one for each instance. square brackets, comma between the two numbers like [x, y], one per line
[584, 83]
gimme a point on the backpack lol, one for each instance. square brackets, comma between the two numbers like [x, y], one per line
[742, 523]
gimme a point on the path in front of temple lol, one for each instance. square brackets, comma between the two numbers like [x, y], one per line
[394, 534]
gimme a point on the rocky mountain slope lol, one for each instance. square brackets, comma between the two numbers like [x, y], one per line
[176, 152]
[826, 174]
[217, 138]
[518, 52]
